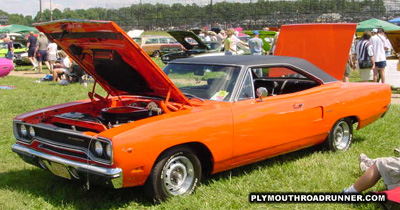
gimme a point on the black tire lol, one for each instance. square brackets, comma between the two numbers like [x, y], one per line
[156, 54]
[341, 136]
[174, 164]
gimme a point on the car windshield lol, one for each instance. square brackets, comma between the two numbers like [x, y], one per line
[211, 82]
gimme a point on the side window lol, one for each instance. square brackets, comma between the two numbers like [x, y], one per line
[279, 80]
[247, 91]
[152, 41]
[163, 40]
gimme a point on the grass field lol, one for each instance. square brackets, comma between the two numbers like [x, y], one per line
[23, 186]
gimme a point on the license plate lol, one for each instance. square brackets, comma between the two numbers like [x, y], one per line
[60, 170]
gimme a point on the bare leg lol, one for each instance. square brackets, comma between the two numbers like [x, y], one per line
[382, 71]
[376, 71]
[368, 179]
[40, 66]
[51, 67]
[33, 61]
[48, 66]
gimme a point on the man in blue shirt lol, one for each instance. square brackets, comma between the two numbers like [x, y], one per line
[256, 44]
[31, 47]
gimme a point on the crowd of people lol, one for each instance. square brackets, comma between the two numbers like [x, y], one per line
[370, 55]
[42, 50]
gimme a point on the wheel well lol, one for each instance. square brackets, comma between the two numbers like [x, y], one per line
[202, 152]
[353, 119]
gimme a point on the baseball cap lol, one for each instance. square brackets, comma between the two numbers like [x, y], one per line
[374, 30]
[256, 32]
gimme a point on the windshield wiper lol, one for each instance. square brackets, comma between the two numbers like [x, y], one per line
[193, 96]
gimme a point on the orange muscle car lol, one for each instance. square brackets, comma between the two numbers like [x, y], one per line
[166, 128]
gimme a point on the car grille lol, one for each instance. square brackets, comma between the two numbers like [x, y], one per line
[64, 138]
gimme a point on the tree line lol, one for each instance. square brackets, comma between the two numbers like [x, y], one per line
[248, 15]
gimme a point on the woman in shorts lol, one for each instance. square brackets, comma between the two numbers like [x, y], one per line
[52, 54]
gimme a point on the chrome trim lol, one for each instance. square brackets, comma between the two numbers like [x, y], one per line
[241, 85]
[62, 145]
[113, 173]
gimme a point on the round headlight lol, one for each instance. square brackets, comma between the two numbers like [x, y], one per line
[98, 148]
[31, 131]
[108, 150]
[23, 131]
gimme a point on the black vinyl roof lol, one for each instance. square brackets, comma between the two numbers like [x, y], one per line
[258, 60]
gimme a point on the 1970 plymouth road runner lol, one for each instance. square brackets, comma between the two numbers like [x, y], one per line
[166, 128]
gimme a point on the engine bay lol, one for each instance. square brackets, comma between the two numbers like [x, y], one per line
[106, 115]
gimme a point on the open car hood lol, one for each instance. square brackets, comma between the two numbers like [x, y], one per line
[114, 60]
[325, 45]
[181, 35]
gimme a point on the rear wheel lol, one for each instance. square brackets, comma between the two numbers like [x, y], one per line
[177, 172]
[341, 135]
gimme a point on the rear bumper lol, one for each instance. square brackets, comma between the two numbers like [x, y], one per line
[111, 177]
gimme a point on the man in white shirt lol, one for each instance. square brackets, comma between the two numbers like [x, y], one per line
[379, 46]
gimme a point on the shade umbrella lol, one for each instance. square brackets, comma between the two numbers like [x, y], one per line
[376, 23]
[15, 28]
[395, 20]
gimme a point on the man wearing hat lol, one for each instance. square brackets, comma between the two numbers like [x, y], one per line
[41, 51]
[256, 44]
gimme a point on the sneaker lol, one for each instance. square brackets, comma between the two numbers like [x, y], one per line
[365, 162]
[34, 68]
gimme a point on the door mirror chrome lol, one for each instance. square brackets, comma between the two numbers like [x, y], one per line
[261, 92]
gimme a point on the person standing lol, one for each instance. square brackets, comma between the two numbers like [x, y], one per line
[365, 53]
[378, 46]
[10, 49]
[31, 47]
[41, 51]
[256, 44]
[229, 48]
[52, 56]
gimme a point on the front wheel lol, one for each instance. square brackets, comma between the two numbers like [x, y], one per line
[176, 172]
[341, 136]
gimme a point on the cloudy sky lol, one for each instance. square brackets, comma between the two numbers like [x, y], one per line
[31, 7]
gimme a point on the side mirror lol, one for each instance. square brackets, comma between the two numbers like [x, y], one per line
[261, 92]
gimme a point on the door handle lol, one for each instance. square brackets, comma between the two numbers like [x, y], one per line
[297, 106]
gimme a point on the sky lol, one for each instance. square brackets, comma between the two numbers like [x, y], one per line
[31, 7]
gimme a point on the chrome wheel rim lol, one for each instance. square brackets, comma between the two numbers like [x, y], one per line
[178, 175]
[341, 135]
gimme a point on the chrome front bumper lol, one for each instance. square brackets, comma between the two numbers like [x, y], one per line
[114, 175]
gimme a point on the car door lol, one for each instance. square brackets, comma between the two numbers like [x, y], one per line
[278, 123]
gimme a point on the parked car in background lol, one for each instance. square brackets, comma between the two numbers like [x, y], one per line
[152, 44]
[15, 37]
[195, 47]
[165, 129]
[6, 66]
[18, 49]
[171, 48]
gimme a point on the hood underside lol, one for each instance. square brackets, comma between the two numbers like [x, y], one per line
[114, 60]
[181, 37]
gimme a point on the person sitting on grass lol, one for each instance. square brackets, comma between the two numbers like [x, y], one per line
[387, 167]
[62, 68]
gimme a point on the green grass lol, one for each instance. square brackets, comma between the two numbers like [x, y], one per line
[23, 186]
